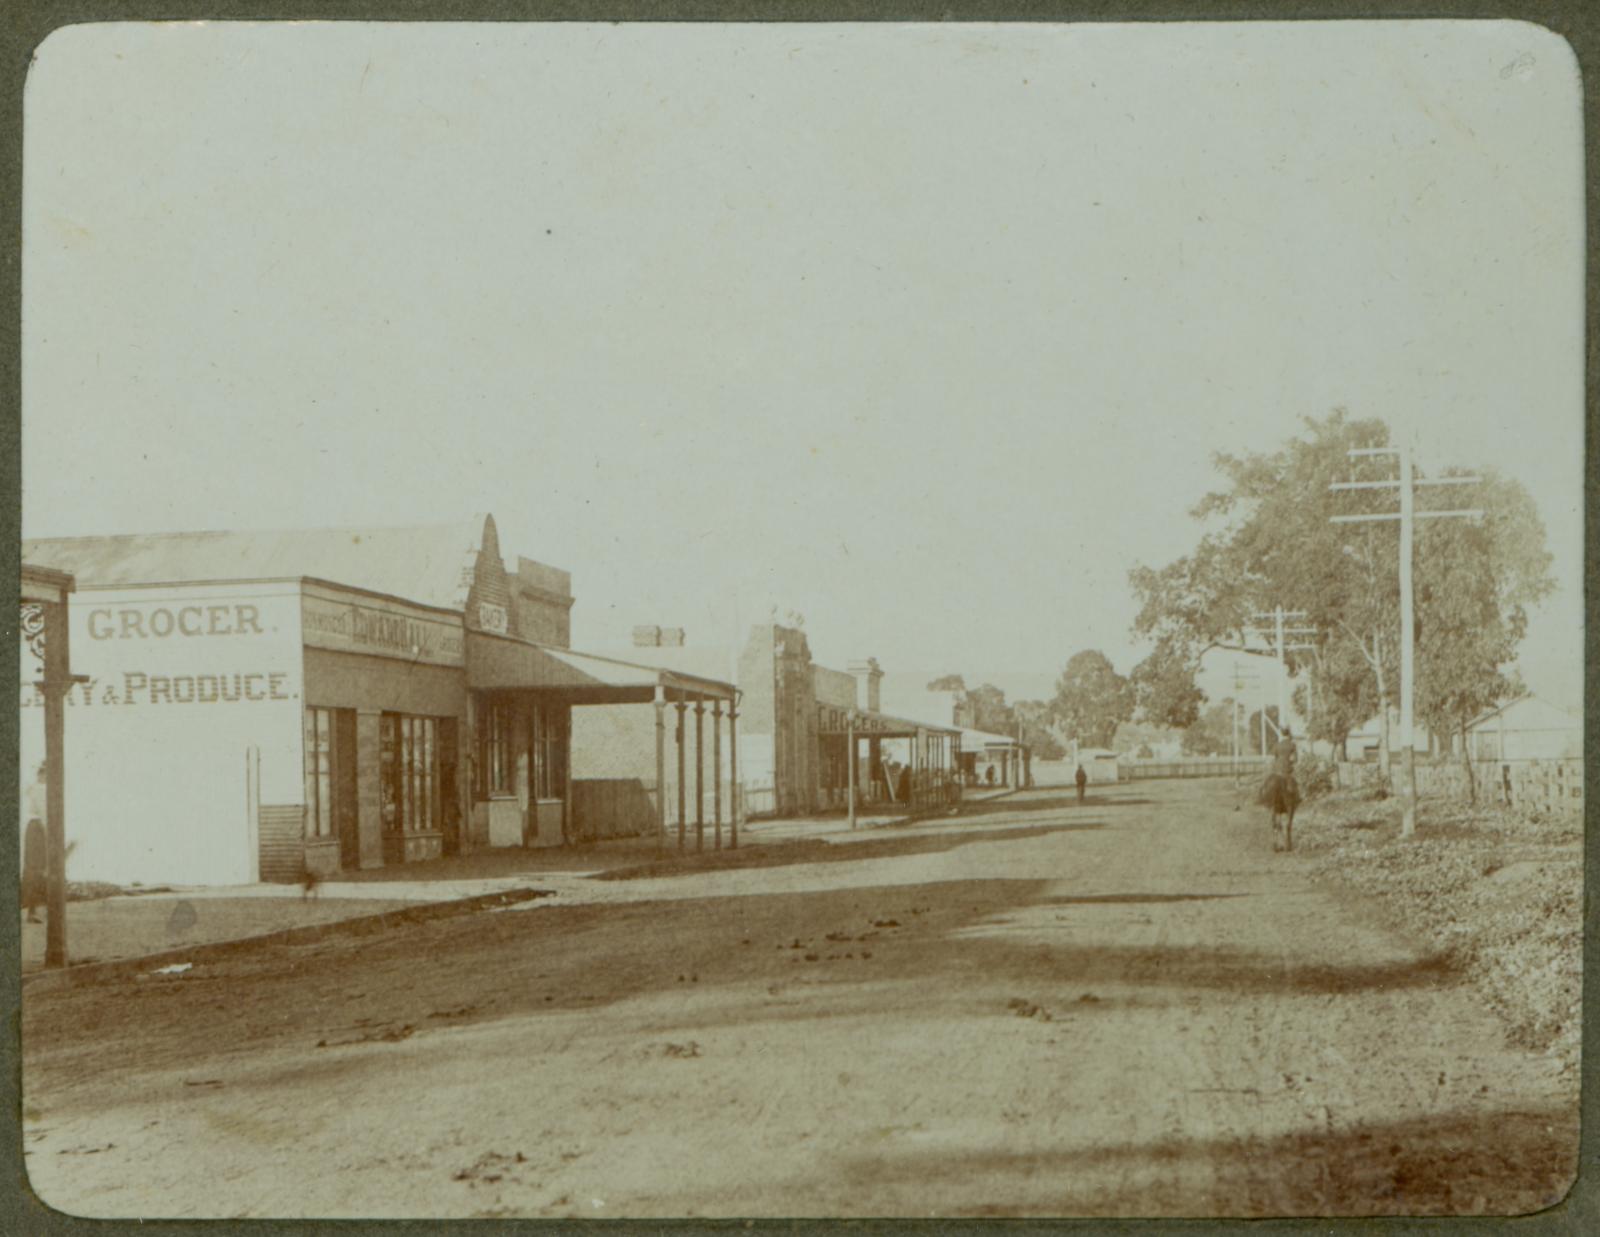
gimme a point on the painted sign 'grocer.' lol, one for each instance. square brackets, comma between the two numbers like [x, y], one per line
[237, 619]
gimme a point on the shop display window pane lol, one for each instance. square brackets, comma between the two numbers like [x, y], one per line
[409, 758]
[496, 761]
[550, 753]
[429, 796]
[388, 781]
[319, 772]
[324, 817]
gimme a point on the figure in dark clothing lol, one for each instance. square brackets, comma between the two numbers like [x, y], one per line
[1280, 793]
[1082, 779]
[903, 791]
[34, 814]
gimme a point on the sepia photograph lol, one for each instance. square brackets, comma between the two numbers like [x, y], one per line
[696, 621]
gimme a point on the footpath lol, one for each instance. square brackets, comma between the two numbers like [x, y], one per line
[157, 923]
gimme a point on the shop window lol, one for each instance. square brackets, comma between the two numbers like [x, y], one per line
[408, 758]
[550, 752]
[497, 765]
[319, 773]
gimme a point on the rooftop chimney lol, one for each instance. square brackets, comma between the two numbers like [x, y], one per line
[868, 676]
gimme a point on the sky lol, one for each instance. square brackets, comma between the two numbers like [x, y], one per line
[924, 332]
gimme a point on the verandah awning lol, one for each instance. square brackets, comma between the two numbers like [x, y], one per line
[977, 739]
[502, 663]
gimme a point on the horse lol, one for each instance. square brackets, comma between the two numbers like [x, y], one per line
[1280, 795]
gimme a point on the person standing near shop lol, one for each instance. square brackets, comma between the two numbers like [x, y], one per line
[34, 814]
[1082, 779]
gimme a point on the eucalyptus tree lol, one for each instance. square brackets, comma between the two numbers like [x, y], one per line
[1267, 538]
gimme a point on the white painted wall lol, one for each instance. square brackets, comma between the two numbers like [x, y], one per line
[184, 679]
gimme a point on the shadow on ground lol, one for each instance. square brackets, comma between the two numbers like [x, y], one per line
[1466, 1162]
[822, 850]
[1091, 899]
[946, 946]
[1032, 801]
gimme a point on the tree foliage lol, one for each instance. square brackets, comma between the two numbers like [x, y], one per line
[1164, 690]
[1267, 539]
[1133, 736]
[1037, 729]
[989, 711]
[1474, 584]
[1211, 733]
[1092, 699]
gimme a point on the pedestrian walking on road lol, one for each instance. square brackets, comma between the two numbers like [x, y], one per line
[1280, 793]
[1082, 779]
[34, 814]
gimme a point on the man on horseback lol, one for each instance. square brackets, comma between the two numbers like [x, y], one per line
[1280, 793]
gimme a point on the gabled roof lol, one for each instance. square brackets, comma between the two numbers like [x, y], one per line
[430, 564]
[1532, 708]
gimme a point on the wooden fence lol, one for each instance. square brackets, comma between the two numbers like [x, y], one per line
[1136, 770]
[1549, 787]
[759, 800]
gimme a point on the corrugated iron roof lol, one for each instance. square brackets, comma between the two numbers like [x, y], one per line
[430, 564]
[502, 662]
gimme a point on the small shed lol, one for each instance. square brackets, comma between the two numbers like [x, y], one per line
[1527, 728]
[1100, 763]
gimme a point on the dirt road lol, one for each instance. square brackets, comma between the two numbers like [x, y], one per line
[1128, 1008]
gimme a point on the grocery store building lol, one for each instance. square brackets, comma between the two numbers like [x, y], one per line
[257, 705]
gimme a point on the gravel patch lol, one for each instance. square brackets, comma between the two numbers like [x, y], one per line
[1501, 892]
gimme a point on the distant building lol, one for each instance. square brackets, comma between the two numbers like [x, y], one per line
[1100, 764]
[1527, 728]
[1365, 742]
[981, 750]
[793, 730]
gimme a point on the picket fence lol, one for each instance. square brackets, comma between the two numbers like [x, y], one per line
[1133, 769]
[1549, 787]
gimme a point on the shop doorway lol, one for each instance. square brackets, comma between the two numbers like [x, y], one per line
[449, 794]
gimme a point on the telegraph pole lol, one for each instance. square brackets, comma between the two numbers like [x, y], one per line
[1240, 678]
[1408, 515]
[1278, 638]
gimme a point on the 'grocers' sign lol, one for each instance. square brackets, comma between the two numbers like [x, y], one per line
[379, 629]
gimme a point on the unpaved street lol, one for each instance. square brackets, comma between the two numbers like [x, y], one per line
[1128, 1008]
